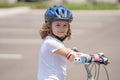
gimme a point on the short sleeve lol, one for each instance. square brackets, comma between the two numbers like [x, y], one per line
[57, 46]
[54, 45]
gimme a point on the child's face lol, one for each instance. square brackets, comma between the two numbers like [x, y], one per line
[60, 28]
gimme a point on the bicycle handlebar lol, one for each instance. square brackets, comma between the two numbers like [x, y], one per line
[103, 59]
[89, 66]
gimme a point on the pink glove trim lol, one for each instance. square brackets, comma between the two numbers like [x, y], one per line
[97, 58]
[78, 55]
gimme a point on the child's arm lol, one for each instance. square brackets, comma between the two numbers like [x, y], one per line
[73, 56]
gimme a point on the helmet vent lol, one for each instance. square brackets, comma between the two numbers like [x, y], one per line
[63, 11]
[57, 11]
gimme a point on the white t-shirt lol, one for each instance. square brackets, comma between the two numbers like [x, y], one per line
[52, 66]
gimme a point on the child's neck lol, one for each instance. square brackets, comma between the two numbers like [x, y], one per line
[59, 38]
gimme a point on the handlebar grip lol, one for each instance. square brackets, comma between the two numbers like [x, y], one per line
[99, 58]
[104, 59]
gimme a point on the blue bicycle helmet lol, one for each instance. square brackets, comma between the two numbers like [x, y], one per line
[58, 12]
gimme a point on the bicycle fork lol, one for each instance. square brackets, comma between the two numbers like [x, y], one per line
[89, 74]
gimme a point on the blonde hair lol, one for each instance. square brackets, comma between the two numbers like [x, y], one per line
[47, 30]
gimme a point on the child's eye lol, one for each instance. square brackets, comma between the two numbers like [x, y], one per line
[57, 25]
[65, 25]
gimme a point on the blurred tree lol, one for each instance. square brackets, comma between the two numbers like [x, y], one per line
[118, 1]
[28, 0]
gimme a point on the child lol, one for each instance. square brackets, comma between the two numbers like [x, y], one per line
[53, 53]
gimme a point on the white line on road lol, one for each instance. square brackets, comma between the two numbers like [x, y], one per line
[10, 56]
[20, 41]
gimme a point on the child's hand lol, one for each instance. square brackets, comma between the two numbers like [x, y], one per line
[100, 58]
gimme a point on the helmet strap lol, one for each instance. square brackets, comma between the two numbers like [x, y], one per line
[61, 39]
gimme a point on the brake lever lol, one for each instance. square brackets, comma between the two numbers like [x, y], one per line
[104, 60]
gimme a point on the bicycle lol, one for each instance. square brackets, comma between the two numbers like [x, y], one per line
[96, 66]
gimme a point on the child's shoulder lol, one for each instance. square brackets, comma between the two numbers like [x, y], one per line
[51, 40]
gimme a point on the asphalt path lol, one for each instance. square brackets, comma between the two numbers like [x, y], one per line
[92, 32]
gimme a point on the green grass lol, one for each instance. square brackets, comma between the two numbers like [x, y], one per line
[7, 5]
[74, 6]
[99, 6]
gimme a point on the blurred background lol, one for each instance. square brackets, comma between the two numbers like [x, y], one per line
[95, 28]
[64, 1]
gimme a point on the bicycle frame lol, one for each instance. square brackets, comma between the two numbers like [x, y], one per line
[89, 74]
[95, 76]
